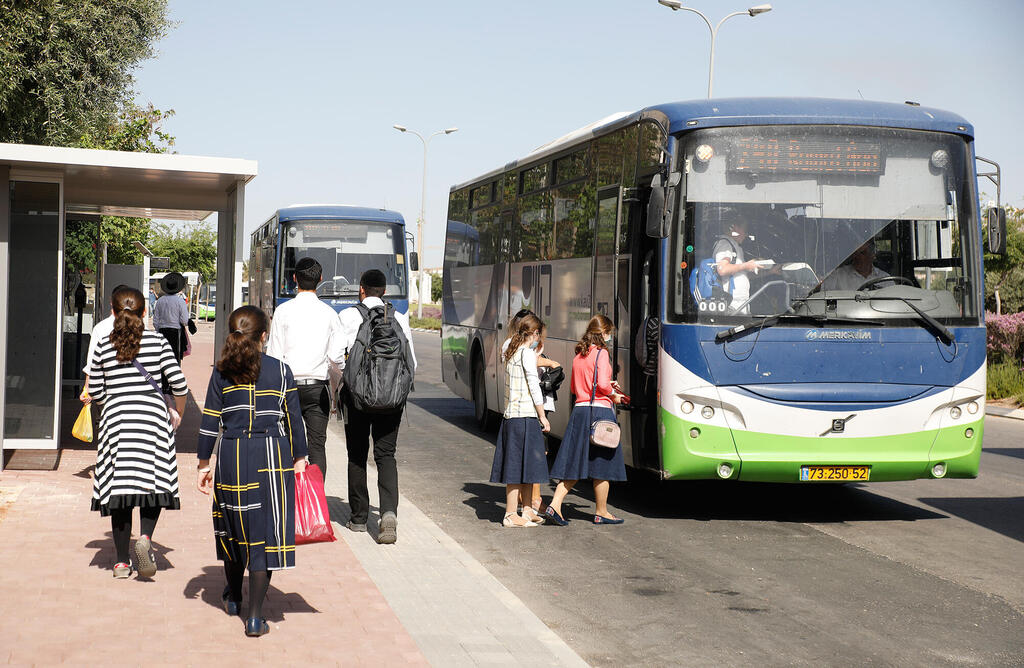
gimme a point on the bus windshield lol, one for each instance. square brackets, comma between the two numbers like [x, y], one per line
[825, 220]
[345, 249]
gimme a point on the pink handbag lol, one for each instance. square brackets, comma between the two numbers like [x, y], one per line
[603, 433]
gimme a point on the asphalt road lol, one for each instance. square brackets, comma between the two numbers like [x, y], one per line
[716, 573]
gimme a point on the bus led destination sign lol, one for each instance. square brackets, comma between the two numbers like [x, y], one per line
[795, 156]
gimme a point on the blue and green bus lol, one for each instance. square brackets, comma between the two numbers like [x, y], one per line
[781, 372]
[345, 240]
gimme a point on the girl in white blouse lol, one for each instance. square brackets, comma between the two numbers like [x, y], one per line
[519, 459]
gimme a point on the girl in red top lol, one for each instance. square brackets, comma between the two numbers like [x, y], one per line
[577, 458]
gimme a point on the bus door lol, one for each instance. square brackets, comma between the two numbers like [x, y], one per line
[612, 278]
[501, 293]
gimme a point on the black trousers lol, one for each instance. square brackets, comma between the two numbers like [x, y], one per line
[315, 403]
[359, 427]
[176, 338]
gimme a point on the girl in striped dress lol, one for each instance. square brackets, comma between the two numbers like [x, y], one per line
[253, 397]
[136, 463]
[519, 459]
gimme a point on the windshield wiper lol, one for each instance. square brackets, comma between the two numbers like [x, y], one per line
[930, 322]
[772, 320]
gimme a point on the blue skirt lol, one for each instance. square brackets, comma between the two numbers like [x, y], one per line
[519, 453]
[577, 459]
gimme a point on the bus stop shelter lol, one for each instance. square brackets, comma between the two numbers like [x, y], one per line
[46, 188]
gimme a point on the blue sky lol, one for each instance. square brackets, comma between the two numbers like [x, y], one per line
[311, 89]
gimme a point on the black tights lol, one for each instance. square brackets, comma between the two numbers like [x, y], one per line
[259, 583]
[121, 526]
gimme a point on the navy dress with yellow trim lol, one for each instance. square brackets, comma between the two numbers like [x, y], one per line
[254, 482]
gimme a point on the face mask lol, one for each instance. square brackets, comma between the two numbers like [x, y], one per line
[533, 345]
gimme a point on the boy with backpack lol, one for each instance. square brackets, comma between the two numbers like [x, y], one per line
[379, 369]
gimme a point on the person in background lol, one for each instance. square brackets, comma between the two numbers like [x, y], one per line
[100, 331]
[170, 313]
[383, 426]
[136, 463]
[254, 398]
[306, 336]
[519, 452]
[577, 459]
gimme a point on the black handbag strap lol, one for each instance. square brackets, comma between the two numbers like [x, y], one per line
[148, 377]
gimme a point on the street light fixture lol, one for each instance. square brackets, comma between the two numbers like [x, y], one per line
[676, 5]
[423, 201]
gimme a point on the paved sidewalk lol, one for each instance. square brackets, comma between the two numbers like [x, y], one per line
[1004, 411]
[352, 602]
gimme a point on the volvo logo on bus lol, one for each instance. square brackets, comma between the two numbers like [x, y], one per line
[839, 335]
[838, 425]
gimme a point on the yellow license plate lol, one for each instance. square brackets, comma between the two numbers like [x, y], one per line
[834, 473]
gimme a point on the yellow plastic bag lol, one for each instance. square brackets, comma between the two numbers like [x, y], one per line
[83, 425]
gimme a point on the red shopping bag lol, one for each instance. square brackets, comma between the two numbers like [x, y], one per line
[312, 521]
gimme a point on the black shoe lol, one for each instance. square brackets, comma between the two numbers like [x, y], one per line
[256, 627]
[388, 533]
[355, 526]
[233, 608]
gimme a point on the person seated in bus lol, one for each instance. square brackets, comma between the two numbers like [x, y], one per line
[733, 268]
[857, 270]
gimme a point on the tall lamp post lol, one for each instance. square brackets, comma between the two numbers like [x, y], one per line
[676, 5]
[423, 204]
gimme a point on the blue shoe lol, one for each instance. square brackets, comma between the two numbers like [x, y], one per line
[553, 515]
[230, 607]
[606, 520]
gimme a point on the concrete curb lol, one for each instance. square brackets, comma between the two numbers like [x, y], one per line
[1003, 411]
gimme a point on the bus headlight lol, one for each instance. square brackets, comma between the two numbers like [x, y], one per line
[694, 433]
[687, 407]
[725, 470]
[954, 412]
[707, 412]
[968, 433]
[972, 407]
[939, 470]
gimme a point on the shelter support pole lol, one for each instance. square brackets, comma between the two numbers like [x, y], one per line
[230, 242]
[5, 237]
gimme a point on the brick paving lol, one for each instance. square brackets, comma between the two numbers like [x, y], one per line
[60, 603]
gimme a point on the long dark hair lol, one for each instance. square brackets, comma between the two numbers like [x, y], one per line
[241, 358]
[527, 325]
[128, 305]
[598, 327]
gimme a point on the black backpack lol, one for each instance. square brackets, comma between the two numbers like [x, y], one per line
[378, 374]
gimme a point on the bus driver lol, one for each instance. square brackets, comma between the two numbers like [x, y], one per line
[859, 270]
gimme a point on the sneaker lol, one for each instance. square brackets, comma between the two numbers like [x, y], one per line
[122, 571]
[388, 529]
[145, 556]
[356, 526]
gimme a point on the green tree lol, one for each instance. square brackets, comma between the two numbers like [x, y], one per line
[1005, 273]
[190, 247]
[67, 65]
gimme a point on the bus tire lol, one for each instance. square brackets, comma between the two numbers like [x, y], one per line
[481, 411]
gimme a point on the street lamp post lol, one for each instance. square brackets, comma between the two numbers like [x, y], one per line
[423, 204]
[676, 5]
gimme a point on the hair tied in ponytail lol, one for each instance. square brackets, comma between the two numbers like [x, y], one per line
[238, 331]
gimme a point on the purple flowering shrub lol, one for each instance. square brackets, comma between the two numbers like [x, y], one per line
[1005, 337]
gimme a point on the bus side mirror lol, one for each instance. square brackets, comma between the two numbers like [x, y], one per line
[660, 205]
[656, 227]
[995, 221]
[414, 261]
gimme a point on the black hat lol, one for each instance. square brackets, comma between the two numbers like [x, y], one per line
[172, 283]
[373, 278]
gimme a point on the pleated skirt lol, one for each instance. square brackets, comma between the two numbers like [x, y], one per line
[519, 453]
[254, 502]
[577, 459]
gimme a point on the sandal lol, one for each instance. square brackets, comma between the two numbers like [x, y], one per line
[530, 515]
[509, 523]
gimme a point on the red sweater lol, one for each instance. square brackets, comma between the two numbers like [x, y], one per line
[583, 377]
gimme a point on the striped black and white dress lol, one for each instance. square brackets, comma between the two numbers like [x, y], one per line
[136, 462]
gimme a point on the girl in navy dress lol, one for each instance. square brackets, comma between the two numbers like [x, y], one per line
[519, 459]
[253, 397]
[577, 459]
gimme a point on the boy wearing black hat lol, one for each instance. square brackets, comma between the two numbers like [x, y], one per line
[170, 313]
[384, 427]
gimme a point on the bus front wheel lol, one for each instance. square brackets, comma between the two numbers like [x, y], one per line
[483, 414]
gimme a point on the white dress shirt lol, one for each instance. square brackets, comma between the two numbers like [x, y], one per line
[305, 335]
[845, 277]
[100, 331]
[351, 319]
